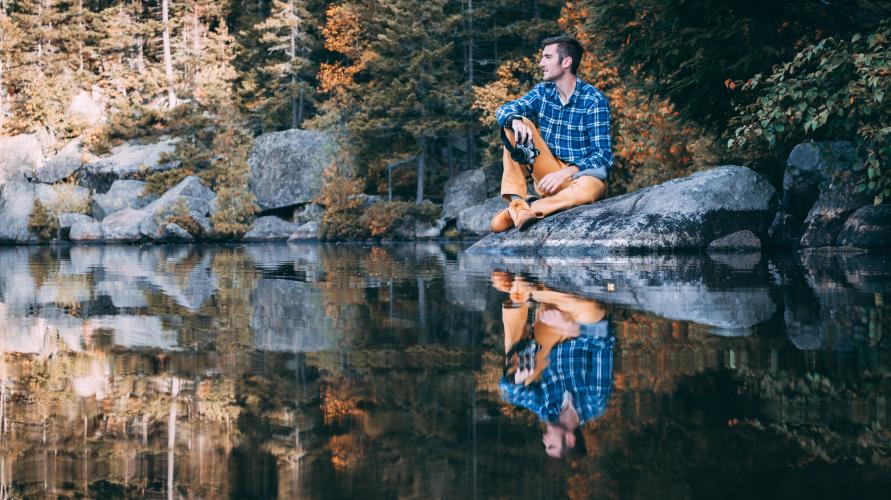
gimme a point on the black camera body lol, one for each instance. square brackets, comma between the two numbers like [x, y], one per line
[522, 153]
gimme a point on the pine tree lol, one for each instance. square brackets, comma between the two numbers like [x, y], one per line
[288, 67]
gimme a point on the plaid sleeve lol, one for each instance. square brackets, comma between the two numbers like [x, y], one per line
[526, 106]
[597, 123]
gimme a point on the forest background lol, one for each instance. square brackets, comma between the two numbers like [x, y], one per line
[411, 86]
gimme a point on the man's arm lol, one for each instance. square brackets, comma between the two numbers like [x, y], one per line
[526, 106]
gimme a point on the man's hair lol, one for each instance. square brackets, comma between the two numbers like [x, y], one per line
[566, 47]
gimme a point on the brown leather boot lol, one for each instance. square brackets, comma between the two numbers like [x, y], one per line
[501, 222]
[521, 214]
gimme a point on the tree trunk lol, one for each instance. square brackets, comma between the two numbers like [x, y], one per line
[80, 42]
[168, 60]
[301, 104]
[419, 198]
[292, 55]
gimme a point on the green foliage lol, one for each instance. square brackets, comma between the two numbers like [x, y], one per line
[381, 217]
[693, 52]
[43, 222]
[834, 89]
[231, 173]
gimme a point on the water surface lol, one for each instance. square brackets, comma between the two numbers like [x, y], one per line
[380, 372]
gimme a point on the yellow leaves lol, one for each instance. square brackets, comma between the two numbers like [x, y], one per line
[343, 31]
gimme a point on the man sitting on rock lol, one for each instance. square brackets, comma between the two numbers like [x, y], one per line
[570, 155]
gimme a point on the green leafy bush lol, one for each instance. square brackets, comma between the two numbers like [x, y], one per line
[833, 89]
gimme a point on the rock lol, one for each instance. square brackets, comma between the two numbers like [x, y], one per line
[868, 227]
[308, 231]
[63, 164]
[467, 189]
[126, 161]
[739, 241]
[826, 217]
[190, 197]
[86, 231]
[122, 194]
[286, 167]
[808, 173]
[124, 225]
[86, 107]
[270, 228]
[475, 220]
[20, 156]
[63, 198]
[424, 230]
[686, 213]
[16, 203]
[67, 220]
[309, 212]
[172, 232]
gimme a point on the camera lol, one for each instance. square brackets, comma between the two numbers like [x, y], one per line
[522, 153]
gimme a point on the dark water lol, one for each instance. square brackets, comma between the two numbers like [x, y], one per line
[379, 372]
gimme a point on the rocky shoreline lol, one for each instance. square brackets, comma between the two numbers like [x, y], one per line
[727, 208]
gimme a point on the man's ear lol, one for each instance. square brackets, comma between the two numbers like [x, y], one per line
[566, 63]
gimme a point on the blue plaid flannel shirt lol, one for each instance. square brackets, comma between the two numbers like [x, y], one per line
[577, 133]
[583, 366]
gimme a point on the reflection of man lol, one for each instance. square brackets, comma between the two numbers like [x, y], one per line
[573, 142]
[563, 372]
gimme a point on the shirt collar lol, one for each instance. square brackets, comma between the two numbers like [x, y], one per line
[552, 91]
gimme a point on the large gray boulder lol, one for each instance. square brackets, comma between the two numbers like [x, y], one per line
[270, 228]
[63, 198]
[86, 232]
[66, 162]
[290, 317]
[122, 194]
[814, 205]
[868, 227]
[20, 155]
[126, 161]
[467, 189]
[686, 213]
[124, 225]
[16, 203]
[838, 199]
[475, 220]
[189, 197]
[286, 167]
[306, 232]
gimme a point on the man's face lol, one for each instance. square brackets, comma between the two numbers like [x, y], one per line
[550, 63]
[557, 440]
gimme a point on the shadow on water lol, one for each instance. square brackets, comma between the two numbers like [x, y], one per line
[382, 371]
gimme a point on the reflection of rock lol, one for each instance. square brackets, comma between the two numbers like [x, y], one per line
[682, 213]
[466, 285]
[675, 287]
[123, 292]
[270, 228]
[137, 331]
[290, 317]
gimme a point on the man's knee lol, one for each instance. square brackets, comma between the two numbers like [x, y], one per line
[590, 188]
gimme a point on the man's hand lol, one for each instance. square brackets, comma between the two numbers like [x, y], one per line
[522, 133]
[550, 183]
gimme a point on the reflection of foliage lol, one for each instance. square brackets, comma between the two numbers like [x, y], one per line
[237, 279]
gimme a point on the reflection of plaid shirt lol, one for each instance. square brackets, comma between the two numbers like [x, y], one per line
[583, 366]
[577, 133]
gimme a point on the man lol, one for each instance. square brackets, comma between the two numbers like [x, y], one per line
[574, 160]
[563, 371]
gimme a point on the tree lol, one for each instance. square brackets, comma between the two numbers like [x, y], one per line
[286, 31]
